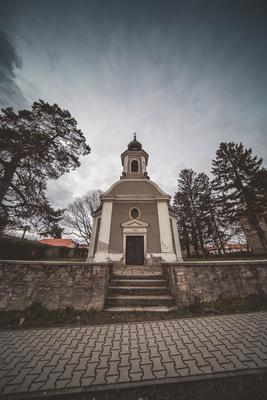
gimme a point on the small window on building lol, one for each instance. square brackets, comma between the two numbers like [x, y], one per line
[134, 213]
[134, 166]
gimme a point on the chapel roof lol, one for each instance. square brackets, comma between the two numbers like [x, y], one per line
[135, 189]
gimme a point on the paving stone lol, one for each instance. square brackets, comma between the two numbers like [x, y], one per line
[51, 382]
[135, 377]
[160, 374]
[124, 375]
[136, 366]
[143, 348]
[145, 358]
[106, 351]
[35, 386]
[100, 378]
[162, 346]
[185, 354]
[95, 357]
[154, 351]
[216, 367]
[124, 360]
[157, 364]
[82, 365]
[170, 370]
[193, 368]
[147, 372]
[178, 361]
[113, 368]
[87, 381]
[206, 369]
[172, 349]
[134, 354]
[228, 366]
[165, 355]
[142, 339]
[134, 344]
[91, 368]
[112, 379]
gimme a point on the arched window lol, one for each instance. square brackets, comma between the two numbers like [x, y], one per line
[134, 166]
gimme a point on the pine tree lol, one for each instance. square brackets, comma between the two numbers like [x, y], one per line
[189, 217]
[212, 223]
[239, 183]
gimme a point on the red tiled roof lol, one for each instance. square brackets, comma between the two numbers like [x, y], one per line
[58, 242]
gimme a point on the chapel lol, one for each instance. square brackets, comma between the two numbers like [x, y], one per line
[135, 224]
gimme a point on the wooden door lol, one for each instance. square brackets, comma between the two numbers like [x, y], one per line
[134, 250]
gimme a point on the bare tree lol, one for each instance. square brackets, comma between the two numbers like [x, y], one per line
[78, 214]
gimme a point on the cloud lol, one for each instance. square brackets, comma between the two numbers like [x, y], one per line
[10, 93]
[185, 75]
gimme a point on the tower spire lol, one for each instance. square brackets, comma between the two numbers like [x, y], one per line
[135, 136]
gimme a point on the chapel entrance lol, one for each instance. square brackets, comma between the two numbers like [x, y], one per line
[134, 250]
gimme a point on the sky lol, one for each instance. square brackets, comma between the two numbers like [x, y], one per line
[184, 75]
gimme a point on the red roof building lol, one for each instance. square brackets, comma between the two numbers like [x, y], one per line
[59, 242]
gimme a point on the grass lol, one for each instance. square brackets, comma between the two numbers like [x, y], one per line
[37, 316]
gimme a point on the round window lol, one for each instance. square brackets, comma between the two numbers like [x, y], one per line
[134, 213]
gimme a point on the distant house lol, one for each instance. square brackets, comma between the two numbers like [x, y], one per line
[229, 248]
[59, 242]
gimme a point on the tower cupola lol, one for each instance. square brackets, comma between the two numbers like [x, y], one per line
[134, 161]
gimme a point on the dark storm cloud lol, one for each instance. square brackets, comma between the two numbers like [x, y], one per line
[10, 92]
[185, 75]
[10, 60]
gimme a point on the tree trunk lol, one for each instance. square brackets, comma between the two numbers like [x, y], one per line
[7, 178]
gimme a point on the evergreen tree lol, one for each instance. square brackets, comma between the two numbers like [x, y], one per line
[212, 224]
[199, 218]
[186, 204]
[240, 183]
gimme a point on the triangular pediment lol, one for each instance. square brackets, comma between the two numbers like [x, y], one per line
[134, 223]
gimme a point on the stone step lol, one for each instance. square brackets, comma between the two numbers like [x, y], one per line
[139, 290]
[138, 282]
[145, 277]
[140, 309]
[138, 301]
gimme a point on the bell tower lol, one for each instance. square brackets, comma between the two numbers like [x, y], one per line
[134, 161]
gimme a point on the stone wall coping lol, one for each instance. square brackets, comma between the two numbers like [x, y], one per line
[58, 263]
[215, 263]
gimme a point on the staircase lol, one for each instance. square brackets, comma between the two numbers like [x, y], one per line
[138, 289]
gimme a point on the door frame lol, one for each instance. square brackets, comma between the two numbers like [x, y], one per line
[134, 228]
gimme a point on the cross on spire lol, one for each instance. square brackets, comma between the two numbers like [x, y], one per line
[135, 136]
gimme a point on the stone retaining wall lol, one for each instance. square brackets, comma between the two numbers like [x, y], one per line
[54, 284]
[201, 281]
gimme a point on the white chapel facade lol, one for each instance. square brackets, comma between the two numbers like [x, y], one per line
[134, 224]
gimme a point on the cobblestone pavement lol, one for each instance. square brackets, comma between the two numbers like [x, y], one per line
[163, 351]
